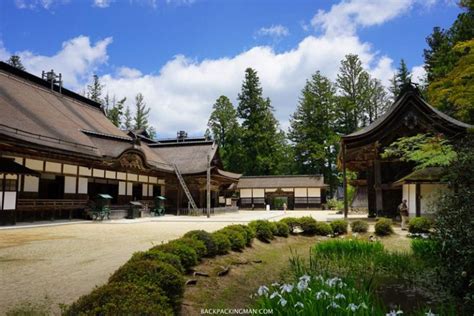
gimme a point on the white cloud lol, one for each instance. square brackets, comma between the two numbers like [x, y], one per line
[418, 74]
[33, 4]
[102, 3]
[275, 31]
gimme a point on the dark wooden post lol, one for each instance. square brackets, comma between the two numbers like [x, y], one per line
[208, 187]
[418, 199]
[344, 179]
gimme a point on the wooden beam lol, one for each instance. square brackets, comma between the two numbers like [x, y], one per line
[344, 177]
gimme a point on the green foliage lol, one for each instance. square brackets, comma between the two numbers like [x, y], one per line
[120, 298]
[335, 204]
[222, 242]
[419, 225]
[263, 230]
[236, 237]
[187, 255]
[158, 256]
[94, 90]
[339, 226]
[401, 80]
[150, 273]
[206, 238]
[339, 249]
[422, 149]
[198, 245]
[282, 229]
[359, 226]
[308, 225]
[141, 113]
[383, 227]
[127, 116]
[263, 144]
[15, 61]
[323, 229]
[27, 308]
[114, 114]
[425, 249]
[292, 223]
[245, 231]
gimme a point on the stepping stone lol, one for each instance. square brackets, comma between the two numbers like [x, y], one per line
[191, 282]
[224, 272]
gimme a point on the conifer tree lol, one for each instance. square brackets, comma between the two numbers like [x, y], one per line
[94, 90]
[127, 123]
[141, 113]
[15, 61]
[115, 113]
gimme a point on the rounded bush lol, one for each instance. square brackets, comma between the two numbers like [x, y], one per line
[237, 238]
[308, 225]
[146, 273]
[323, 229]
[206, 238]
[383, 227]
[222, 242]
[245, 231]
[273, 227]
[339, 226]
[292, 223]
[158, 256]
[187, 255]
[359, 226]
[263, 230]
[120, 298]
[282, 229]
[419, 225]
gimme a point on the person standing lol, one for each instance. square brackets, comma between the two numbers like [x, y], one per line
[285, 207]
[403, 208]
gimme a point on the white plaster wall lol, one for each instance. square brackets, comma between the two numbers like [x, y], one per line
[70, 185]
[31, 184]
[83, 171]
[300, 192]
[34, 164]
[150, 190]
[314, 192]
[129, 188]
[258, 193]
[10, 201]
[122, 188]
[145, 189]
[82, 189]
[245, 193]
[69, 169]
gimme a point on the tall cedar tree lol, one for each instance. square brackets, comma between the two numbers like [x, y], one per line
[353, 82]
[127, 116]
[141, 113]
[225, 129]
[401, 79]
[312, 130]
[94, 90]
[115, 113]
[263, 144]
[15, 61]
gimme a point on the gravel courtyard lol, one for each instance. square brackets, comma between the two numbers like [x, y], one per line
[64, 262]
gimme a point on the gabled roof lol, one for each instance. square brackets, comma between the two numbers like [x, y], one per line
[35, 115]
[297, 181]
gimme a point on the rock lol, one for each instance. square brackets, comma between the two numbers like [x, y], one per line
[240, 262]
[258, 261]
[224, 272]
[191, 282]
[197, 273]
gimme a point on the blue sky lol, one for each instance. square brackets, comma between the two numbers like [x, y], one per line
[182, 54]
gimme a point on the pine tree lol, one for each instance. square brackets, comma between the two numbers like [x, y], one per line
[94, 90]
[141, 113]
[116, 111]
[352, 82]
[312, 130]
[377, 101]
[127, 123]
[262, 142]
[401, 80]
[15, 61]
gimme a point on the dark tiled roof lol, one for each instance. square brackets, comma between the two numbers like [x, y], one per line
[300, 181]
[189, 158]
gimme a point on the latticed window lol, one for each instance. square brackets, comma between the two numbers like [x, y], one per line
[10, 184]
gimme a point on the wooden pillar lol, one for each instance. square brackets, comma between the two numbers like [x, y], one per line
[208, 186]
[377, 185]
[418, 199]
[344, 181]
[178, 199]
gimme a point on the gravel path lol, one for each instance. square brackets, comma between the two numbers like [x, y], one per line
[64, 262]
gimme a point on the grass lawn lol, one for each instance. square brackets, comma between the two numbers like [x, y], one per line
[245, 276]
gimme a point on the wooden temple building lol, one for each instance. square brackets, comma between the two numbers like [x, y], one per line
[58, 151]
[383, 183]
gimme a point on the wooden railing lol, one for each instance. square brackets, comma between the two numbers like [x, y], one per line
[43, 204]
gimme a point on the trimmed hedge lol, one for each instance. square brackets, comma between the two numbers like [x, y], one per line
[246, 231]
[339, 226]
[323, 229]
[158, 256]
[282, 229]
[383, 227]
[206, 238]
[186, 254]
[308, 225]
[150, 273]
[120, 298]
[237, 238]
[222, 243]
[263, 230]
[359, 226]
[292, 222]
[419, 225]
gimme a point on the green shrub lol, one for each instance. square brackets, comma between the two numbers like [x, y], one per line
[194, 243]
[308, 225]
[282, 229]
[263, 230]
[150, 273]
[158, 256]
[426, 249]
[120, 298]
[334, 204]
[339, 226]
[383, 227]
[187, 255]
[246, 231]
[222, 243]
[323, 229]
[206, 238]
[359, 226]
[419, 225]
[237, 238]
[292, 223]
